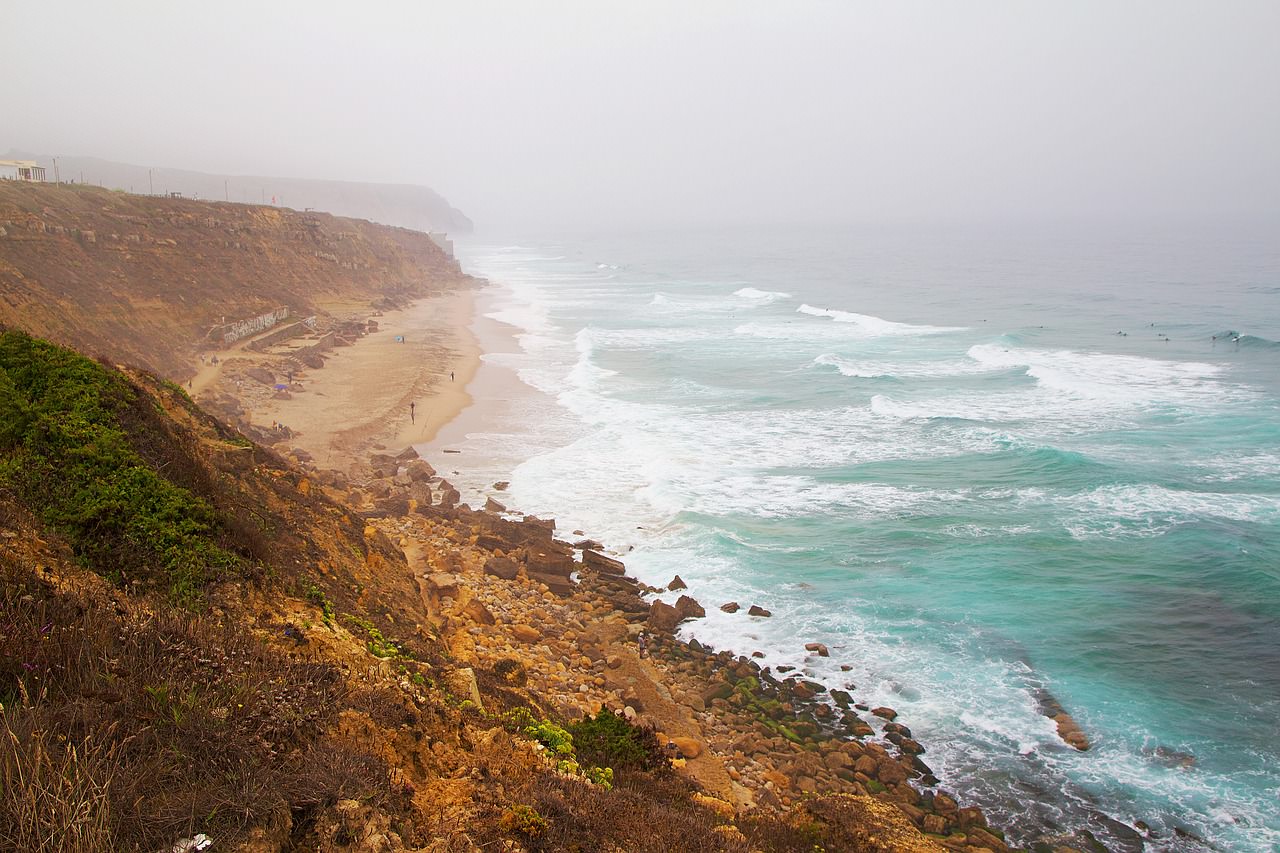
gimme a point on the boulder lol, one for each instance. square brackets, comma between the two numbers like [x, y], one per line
[478, 613]
[677, 583]
[444, 584]
[689, 608]
[890, 772]
[731, 607]
[462, 683]
[817, 647]
[687, 747]
[419, 471]
[392, 507]
[490, 505]
[502, 567]
[885, 713]
[526, 634]
[1070, 731]
[663, 617]
[757, 610]
[601, 563]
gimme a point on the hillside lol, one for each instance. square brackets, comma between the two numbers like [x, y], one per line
[203, 638]
[404, 205]
[144, 280]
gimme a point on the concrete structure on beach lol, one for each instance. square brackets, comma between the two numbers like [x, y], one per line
[21, 170]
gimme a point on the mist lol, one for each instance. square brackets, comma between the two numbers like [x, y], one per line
[639, 115]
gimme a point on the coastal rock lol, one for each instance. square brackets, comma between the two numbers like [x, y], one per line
[689, 608]
[677, 583]
[731, 607]
[885, 713]
[501, 567]
[419, 470]
[687, 747]
[1070, 732]
[526, 634]
[601, 563]
[663, 617]
[444, 584]
[462, 683]
[490, 505]
[819, 648]
[757, 610]
[478, 613]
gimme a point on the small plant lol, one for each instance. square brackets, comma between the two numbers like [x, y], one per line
[602, 776]
[378, 645]
[554, 738]
[316, 596]
[523, 820]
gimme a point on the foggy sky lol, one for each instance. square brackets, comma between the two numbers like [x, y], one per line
[643, 114]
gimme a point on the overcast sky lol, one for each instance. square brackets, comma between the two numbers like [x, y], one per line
[637, 114]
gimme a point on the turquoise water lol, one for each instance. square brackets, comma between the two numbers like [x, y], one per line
[937, 453]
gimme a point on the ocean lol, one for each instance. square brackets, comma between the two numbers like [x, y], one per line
[978, 465]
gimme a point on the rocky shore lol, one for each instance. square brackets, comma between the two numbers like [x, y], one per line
[508, 596]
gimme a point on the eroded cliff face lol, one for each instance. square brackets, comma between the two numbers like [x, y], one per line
[143, 280]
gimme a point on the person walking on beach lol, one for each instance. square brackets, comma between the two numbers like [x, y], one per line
[411, 407]
[450, 375]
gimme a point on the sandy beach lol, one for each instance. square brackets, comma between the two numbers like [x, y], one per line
[361, 398]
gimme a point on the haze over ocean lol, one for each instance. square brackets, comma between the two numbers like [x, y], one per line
[975, 464]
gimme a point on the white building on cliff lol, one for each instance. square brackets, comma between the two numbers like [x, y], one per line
[21, 170]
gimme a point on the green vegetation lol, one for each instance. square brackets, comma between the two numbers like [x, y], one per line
[554, 738]
[316, 596]
[608, 740]
[66, 453]
[378, 645]
[523, 820]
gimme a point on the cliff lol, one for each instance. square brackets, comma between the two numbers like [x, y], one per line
[144, 280]
[203, 639]
[404, 205]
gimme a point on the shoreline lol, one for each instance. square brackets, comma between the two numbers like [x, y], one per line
[491, 386]
[453, 332]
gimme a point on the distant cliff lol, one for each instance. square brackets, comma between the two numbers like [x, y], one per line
[405, 205]
[143, 280]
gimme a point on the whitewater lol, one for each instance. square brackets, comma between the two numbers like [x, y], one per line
[975, 465]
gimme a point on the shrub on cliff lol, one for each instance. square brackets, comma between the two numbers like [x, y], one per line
[608, 740]
[66, 453]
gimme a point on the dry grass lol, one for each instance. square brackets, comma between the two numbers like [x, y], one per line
[126, 728]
